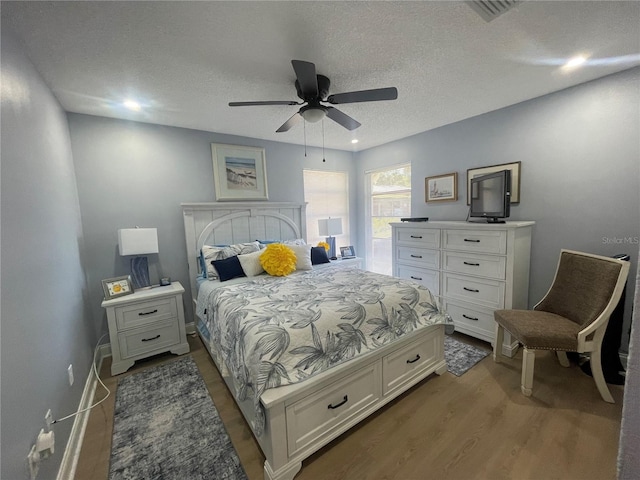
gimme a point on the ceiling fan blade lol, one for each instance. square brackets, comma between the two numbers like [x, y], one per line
[273, 102]
[307, 79]
[342, 118]
[290, 123]
[375, 95]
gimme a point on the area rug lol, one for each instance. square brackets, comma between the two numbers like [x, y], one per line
[460, 356]
[166, 427]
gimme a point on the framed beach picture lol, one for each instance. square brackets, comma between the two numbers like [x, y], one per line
[239, 173]
[515, 178]
[441, 188]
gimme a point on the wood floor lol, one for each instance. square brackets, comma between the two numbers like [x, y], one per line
[477, 426]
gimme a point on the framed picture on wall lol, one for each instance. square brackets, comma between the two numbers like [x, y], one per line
[515, 178]
[239, 173]
[441, 188]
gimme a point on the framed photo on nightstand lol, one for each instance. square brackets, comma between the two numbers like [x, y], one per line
[347, 252]
[117, 287]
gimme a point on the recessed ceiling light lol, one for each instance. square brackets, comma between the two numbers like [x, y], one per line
[575, 62]
[132, 105]
[355, 140]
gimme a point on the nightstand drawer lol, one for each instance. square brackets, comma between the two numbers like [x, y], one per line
[144, 340]
[138, 314]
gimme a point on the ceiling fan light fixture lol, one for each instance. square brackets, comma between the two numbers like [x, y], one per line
[313, 115]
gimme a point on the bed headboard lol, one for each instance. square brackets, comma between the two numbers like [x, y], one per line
[226, 223]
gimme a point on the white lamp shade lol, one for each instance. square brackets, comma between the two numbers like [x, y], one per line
[138, 241]
[328, 227]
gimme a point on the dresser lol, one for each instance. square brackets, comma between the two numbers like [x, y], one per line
[146, 323]
[473, 268]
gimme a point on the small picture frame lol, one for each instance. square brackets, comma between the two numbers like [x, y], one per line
[347, 252]
[117, 287]
[441, 188]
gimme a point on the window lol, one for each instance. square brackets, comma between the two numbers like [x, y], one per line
[389, 193]
[327, 195]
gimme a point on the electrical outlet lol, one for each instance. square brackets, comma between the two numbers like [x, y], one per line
[48, 419]
[70, 372]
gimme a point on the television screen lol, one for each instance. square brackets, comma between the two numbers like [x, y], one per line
[491, 196]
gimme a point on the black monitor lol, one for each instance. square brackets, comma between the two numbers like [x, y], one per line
[491, 196]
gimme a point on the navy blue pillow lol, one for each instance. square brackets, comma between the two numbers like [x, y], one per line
[228, 268]
[319, 255]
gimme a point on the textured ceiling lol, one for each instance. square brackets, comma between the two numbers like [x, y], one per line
[184, 61]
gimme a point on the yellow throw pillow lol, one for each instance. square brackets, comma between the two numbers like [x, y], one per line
[278, 260]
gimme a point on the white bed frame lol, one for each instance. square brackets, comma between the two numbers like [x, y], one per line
[302, 418]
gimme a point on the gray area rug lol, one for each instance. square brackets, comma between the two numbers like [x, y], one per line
[167, 427]
[460, 356]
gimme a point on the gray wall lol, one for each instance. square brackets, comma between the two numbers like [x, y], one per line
[580, 157]
[44, 315]
[138, 174]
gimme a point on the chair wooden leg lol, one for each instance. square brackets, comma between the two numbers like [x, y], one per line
[598, 376]
[528, 362]
[497, 343]
[563, 359]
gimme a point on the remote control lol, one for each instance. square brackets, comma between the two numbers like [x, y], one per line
[415, 219]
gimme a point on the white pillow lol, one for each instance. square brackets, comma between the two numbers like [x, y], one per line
[221, 252]
[251, 263]
[297, 241]
[303, 256]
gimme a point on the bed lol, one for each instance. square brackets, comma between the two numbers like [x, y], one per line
[308, 355]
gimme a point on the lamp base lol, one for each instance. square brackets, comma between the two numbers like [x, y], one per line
[140, 273]
[332, 247]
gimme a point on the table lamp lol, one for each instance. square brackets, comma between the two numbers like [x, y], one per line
[139, 242]
[328, 227]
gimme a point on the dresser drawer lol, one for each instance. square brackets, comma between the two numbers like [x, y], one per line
[144, 340]
[471, 319]
[403, 365]
[475, 264]
[418, 237]
[481, 241]
[489, 293]
[428, 278]
[419, 257]
[322, 413]
[143, 313]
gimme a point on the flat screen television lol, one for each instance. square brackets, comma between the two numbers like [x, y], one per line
[491, 196]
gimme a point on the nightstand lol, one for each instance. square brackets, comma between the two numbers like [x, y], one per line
[146, 323]
[355, 262]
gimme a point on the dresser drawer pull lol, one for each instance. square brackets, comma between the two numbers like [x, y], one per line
[344, 400]
[416, 278]
[471, 289]
[142, 314]
[473, 240]
[416, 236]
[472, 264]
[150, 339]
[414, 360]
[416, 256]
[470, 318]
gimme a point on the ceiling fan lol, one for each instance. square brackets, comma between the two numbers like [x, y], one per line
[313, 89]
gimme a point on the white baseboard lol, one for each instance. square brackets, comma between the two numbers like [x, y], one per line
[71, 454]
[190, 328]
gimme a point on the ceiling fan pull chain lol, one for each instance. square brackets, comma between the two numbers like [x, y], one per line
[304, 127]
[323, 159]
